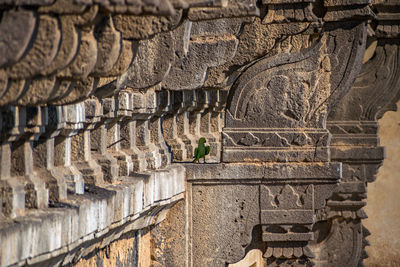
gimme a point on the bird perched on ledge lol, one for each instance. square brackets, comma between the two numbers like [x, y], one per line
[201, 150]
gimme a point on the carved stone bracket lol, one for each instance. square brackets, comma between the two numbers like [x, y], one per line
[355, 143]
[270, 204]
[277, 170]
[276, 113]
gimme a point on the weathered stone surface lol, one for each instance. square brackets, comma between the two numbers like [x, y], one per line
[144, 27]
[108, 46]
[15, 89]
[41, 53]
[250, 48]
[231, 8]
[79, 90]
[85, 60]
[356, 144]
[73, 224]
[151, 63]
[16, 29]
[112, 97]
[63, 7]
[257, 200]
[68, 47]
[264, 84]
[239, 209]
[123, 252]
[124, 60]
[38, 91]
[374, 102]
[347, 233]
[168, 238]
[191, 60]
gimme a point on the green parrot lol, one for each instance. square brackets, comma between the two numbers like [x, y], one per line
[201, 150]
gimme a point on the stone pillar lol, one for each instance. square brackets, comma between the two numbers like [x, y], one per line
[162, 106]
[114, 137]
[12, 189]
[144, 106]
[44, 155]
[81, 145]
[210, 119]
[32, 121]
[74, 119]
[128, 144]
[171, 129]
[126, 164]
[100, 141]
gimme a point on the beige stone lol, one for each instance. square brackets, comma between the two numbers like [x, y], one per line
[383, 203]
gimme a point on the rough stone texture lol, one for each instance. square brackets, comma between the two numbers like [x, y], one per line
[123, 252]
[41, 53]
[137, 28]
[305, 96]
[102, 104]
[355, 143]
[256, 208]
[238, 209]
[13, 45]
[168, 238]
[65, 235]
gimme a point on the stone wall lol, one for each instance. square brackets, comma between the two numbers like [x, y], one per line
[123, 252]
[162, 244]
[104, 104]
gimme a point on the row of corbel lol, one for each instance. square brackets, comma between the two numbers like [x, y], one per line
[51, 150]
[63, 53]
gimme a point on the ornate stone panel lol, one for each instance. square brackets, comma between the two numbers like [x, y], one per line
[305, 84]
[270, 205]
[102, 104]
[276, 147]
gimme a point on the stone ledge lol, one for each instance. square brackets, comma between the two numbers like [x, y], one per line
[347, 153]
[64, 234]
[263, 171]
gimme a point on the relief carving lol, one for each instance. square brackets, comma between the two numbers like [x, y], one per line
[304, 95]
[355, 143]
[103, 103]
[276, 117]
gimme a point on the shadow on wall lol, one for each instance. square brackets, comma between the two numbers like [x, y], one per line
[383, 203]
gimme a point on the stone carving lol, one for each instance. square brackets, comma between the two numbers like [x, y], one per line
[269, 206]
[102, 103]
[194, 114]
[253, 107]
[306, 83]
[305, 95]
[353, 124]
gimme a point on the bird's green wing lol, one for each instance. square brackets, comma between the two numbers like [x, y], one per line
[207, 150]
[196, 155]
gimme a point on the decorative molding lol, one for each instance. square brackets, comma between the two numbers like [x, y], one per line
[354, 128]
[100, 97]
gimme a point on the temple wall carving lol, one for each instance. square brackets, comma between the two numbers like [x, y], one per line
[103, 104]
